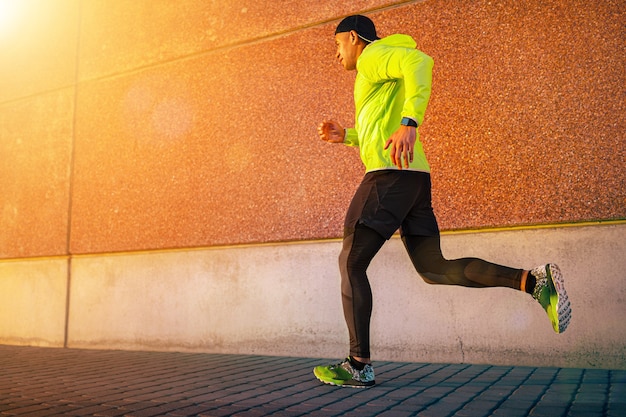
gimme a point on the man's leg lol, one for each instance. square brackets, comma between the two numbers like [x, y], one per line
[425, 253]
[544, 283]
[360, 245]
[366, 228]
[359, 248]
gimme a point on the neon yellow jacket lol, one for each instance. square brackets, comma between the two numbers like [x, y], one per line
[393, 81]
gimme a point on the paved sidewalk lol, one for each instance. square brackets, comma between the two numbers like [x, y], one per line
[70, 382]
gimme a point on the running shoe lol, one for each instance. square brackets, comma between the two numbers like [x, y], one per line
[550, 293]
[344, 374]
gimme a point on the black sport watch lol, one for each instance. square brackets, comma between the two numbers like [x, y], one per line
[407, 121]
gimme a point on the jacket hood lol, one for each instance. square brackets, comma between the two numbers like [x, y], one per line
[398, 40]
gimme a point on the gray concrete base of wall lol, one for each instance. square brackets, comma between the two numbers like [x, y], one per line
[284, 299]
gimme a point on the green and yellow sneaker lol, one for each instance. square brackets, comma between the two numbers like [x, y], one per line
[344, 374]
[550, 293]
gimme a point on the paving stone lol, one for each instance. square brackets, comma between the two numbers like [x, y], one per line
[25, 409]
[509, 412]
[88, 410]
[548, 411]
[225, 411]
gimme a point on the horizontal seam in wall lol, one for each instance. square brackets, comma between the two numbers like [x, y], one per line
[306, 242]
[535, 227]
[223, 47]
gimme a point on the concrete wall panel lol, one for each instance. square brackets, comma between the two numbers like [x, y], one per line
[163, 154]
[33, 302]
[254, 299]
[218, 149]
[35, 154]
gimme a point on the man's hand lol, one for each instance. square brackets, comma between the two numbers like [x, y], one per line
[402, 142]
[331, 131]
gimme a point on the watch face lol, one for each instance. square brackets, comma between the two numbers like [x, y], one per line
[408, 122]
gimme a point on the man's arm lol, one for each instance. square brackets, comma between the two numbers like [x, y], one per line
[417, 70]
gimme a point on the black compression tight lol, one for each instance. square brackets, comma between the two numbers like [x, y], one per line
[360, 247]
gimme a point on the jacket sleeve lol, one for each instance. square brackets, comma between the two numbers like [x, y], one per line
[411, 65]
[352, 137]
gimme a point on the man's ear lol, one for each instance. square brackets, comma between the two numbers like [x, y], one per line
[354, 37]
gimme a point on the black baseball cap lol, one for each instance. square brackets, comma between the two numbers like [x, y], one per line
[362, 25]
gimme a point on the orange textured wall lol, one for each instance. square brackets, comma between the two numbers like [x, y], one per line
[140, 124]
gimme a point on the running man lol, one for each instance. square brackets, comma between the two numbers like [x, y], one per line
[391, 92]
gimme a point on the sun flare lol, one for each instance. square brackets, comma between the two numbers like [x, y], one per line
[9, 11]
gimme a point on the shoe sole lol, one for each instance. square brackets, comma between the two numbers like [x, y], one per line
[562, 309]
[341, 384]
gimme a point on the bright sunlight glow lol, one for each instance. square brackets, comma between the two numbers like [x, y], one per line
[9, 12]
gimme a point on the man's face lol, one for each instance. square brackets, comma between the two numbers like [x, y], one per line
[347, 49]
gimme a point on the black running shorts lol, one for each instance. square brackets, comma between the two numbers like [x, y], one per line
[389, 200]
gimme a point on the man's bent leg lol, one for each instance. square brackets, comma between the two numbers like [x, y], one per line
[547, 285]
[359, 248]
[425, 253]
